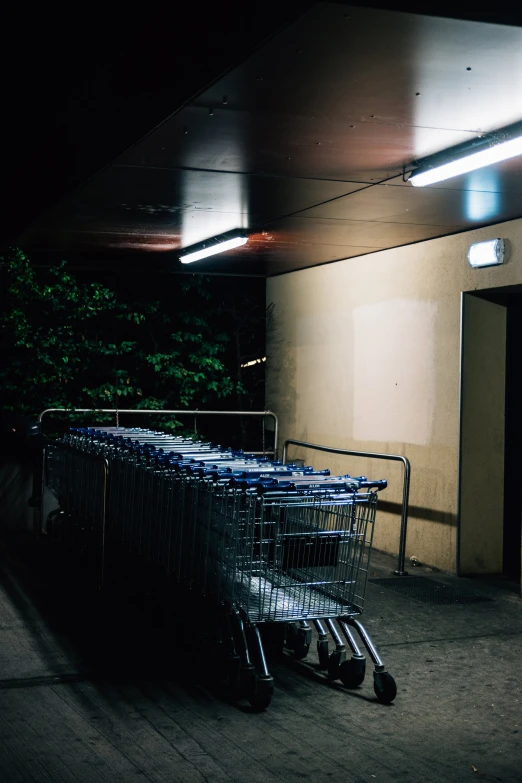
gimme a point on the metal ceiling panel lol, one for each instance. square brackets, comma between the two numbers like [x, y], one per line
[361, 64]
[464, 209]
[267, 253]
[174, 208]
[305, 143]
[308, 231]
[314, 100]
[287, 145]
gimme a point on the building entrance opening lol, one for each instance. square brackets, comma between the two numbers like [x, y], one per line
[490, 502]
[513, 441]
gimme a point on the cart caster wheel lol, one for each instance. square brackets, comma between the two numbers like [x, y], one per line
[352, 672]
[247, 680]
[384, 687]
[334, 663]
[301, 644]
[322, 652]
[262, 695]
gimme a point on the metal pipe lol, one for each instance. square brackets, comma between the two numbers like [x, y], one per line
[335, 634]
[320, 629]
[374, 655]
[162, 412]
[260, 651]
[373, 455]
[354, 647]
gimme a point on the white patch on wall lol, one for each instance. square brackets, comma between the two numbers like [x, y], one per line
[322, 376]
[394, 371]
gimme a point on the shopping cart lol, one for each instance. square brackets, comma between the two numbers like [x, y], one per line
[267, 548]
[79, 483]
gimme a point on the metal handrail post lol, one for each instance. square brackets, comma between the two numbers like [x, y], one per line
[174, 413]
[373, 455]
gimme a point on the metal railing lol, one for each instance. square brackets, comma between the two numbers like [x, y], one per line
[184, 411]
[372, 455]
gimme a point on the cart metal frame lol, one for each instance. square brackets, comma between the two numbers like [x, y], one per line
[372, 455]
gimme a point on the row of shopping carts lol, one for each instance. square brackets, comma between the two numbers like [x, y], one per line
[269, 548]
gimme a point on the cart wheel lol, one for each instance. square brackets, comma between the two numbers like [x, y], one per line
[384, 687]
[301, 646]
[291, 634]
[334, 663]
[322, 652]
[262, 695]
[352, 672]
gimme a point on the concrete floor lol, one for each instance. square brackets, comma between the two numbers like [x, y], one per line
[94, 691]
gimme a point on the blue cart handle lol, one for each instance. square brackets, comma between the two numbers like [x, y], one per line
[379, 485]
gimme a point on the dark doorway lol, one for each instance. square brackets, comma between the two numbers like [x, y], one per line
[511, 298]
[513, 442]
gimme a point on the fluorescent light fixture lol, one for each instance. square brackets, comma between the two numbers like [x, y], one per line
[488, 253]
[210, 247]
[493, 153]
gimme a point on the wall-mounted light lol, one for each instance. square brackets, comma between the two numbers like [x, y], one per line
[482, 152]
[489, 253]
[211, 247]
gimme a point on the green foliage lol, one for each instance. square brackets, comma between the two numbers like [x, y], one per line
[65, 343]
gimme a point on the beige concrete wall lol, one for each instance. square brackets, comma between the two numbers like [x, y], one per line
[482, 440]
[365, 354]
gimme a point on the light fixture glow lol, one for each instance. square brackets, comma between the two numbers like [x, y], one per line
[489, 253]
[476, 160]
[212, 247]
[254, 361]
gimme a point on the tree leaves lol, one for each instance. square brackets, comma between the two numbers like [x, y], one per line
[67, 343]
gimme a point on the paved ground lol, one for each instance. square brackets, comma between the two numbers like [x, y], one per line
[96, 692]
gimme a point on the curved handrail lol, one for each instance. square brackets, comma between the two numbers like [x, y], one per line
[373, 455]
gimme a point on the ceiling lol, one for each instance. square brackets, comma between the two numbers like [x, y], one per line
[75, 96]
[304, 145]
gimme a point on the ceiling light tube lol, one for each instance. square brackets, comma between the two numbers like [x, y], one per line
[210, 247]
[476, 160]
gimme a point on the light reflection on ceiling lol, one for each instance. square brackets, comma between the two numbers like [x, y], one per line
[308, 149]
